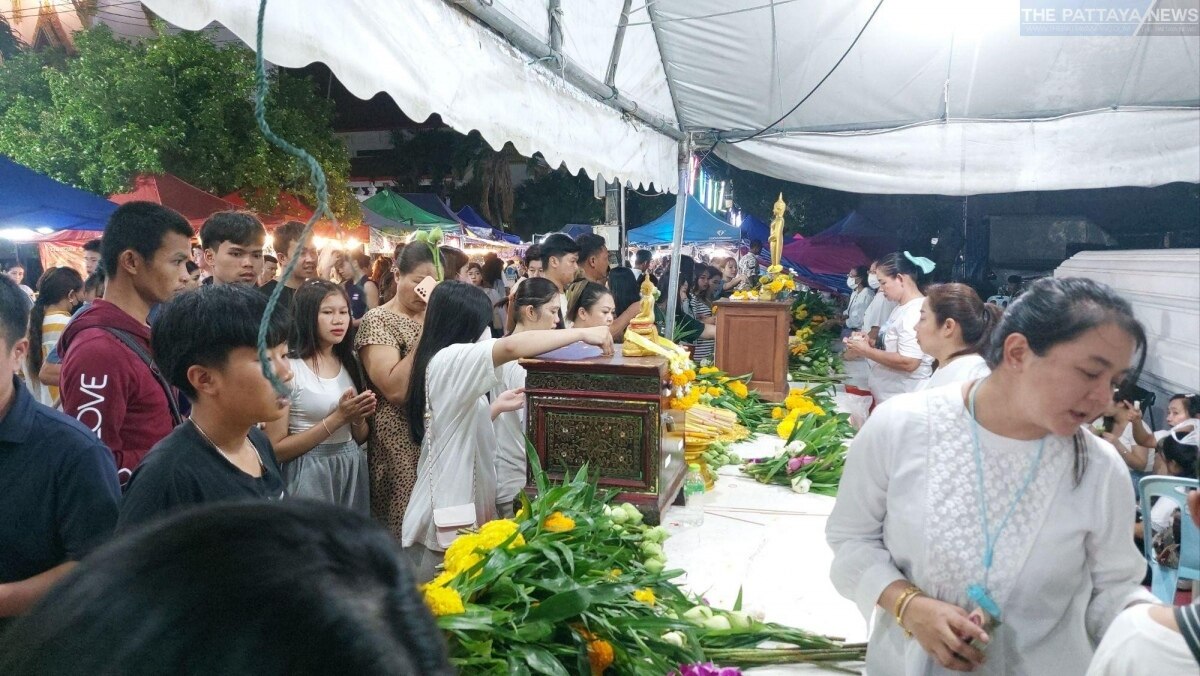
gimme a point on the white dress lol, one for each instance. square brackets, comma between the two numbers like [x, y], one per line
[958, 370]
[458, 453]
[900, 336]
[511, 463]
[1064, 567]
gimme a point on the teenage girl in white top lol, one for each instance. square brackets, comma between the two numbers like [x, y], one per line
[318, 444]
[535, 305]
[901, 365]
[450, 416]
[954, 329]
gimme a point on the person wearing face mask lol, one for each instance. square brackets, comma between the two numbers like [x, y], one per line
[861, 295]
[58, 297]
[878, 310]
[951, 509]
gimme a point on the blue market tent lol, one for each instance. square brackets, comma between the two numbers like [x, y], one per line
[873, 240]
[434, 205]
[574, 230]
[754, 229]
[700, 225]
[35, 201]
[472, 218]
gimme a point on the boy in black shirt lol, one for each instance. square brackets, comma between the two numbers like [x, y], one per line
[204, 344]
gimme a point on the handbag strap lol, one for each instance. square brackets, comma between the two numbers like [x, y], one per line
[433, 461]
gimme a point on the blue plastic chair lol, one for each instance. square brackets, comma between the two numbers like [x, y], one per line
[1164, 579]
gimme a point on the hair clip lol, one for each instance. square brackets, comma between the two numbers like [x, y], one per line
[925, 264]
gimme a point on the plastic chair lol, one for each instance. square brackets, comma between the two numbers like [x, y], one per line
[1164, 579]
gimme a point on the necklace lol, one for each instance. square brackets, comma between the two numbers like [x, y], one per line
[225, 455]
[979, 592]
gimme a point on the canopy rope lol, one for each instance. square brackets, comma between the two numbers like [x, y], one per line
[316, 175]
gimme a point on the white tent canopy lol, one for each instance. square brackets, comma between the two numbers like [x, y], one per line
[936, 96]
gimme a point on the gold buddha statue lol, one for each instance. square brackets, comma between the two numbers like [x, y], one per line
[642, 324]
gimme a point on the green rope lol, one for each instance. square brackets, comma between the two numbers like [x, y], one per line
[316, 175]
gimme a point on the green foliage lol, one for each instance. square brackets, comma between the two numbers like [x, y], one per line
[10, 44]
[547, 202]
[172, 103]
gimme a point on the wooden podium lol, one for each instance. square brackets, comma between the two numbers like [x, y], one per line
[607, 413]
[752, 337]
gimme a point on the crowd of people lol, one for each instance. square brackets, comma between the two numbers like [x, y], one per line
[393, 391]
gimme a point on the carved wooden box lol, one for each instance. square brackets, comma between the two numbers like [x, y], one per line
[752, 337]
[607, 413]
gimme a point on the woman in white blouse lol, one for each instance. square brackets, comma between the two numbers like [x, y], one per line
[901, 365]
[990, 496]
[450, 416]
[861, 295]
[954, 329]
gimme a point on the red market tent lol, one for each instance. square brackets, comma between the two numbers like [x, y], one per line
[171, 191]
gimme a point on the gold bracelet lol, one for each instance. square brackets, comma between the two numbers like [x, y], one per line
[908, 591]
[326, 426]
[904, 607]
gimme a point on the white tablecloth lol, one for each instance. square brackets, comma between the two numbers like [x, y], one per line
[769, 542]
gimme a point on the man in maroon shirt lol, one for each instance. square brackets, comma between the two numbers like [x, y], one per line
[107, 382]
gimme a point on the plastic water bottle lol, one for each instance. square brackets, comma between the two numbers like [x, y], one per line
[692, 513]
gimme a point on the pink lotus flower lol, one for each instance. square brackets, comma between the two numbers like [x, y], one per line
[707, 669]
[796, 463]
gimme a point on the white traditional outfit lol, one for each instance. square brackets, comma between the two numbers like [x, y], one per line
[511, 463]
[961, 369]
[458, 451]
[900, 337]
[908, 508]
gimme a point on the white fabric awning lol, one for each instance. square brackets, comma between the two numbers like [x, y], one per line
[936, 96]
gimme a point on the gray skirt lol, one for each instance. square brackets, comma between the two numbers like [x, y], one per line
[334, 473]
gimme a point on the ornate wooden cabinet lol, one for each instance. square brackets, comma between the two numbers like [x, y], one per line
[607, 413]
[752, 337]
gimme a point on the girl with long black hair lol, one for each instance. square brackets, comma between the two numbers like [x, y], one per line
[318, 443]
[58, 297]
[449, 414]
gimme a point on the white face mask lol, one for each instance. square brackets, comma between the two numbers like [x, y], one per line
[872, 281]
[852, 283]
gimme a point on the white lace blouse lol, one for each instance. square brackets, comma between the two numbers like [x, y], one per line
[908, 508]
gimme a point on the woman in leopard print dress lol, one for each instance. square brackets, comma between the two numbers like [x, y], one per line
[386, 342]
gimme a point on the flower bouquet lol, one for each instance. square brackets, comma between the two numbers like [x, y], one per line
[814, 452]
[776, 284]
[575, 586]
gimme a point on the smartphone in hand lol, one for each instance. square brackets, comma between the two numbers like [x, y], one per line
[425, 288]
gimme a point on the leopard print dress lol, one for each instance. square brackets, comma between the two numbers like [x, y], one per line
[392, 454]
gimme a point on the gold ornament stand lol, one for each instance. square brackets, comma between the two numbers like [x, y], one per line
[752, 337]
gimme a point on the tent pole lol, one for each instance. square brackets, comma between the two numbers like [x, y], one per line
[685, 164]
[571, 72]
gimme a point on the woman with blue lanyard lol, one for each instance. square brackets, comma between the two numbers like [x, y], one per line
[981, 522]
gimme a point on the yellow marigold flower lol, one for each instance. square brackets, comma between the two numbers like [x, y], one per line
[600, 656]
[777, 285]
[645, 595]
[495, 532]
[443, 601]
[441, 580]
[705, 370]
[738, 388]
[789, 282]
[558, 523]
[785, 427]
[777, 413]
[714, 391]
[690, 375]
[775, 269]
[461, 555]
[614, 573]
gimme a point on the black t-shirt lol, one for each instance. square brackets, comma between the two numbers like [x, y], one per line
[184, 470]
[58, 489]
[285, 296]
[358, 297]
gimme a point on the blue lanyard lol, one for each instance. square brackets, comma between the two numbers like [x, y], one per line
[990, 539]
